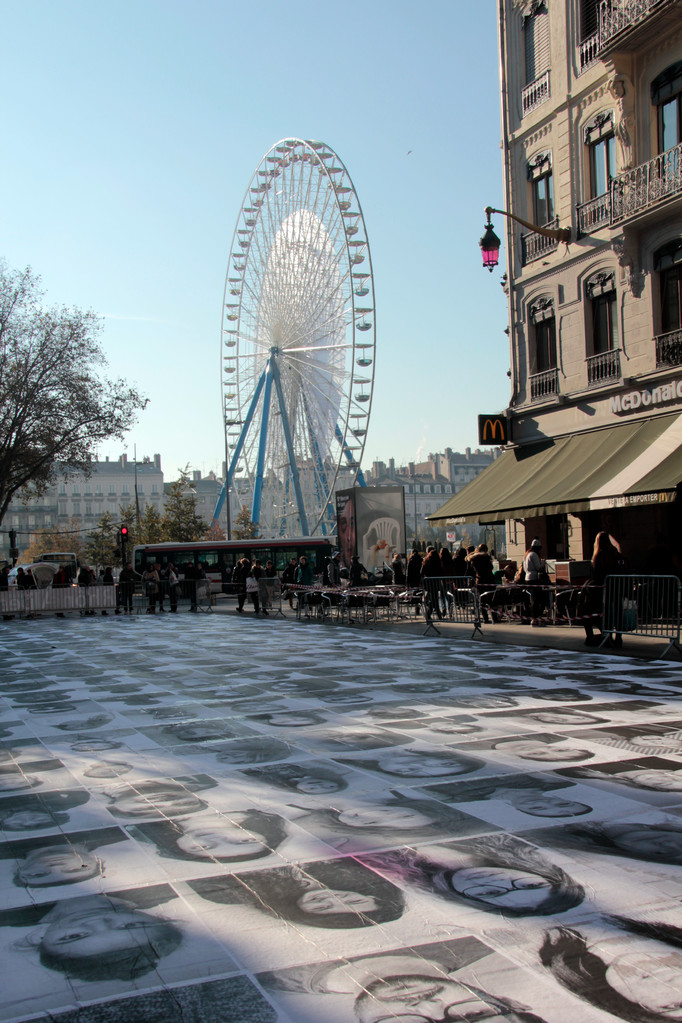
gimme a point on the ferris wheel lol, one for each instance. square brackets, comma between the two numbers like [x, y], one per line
[298, 341]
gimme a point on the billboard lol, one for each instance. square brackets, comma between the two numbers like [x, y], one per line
[371, 524]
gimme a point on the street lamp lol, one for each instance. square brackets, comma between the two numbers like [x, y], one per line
[490, 243]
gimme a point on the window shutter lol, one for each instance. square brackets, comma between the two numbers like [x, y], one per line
[536, 33]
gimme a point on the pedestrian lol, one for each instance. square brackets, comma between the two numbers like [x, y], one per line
[4, 578]
[162, 580]
[304, 572]
[332, 572]
[398, 570]
[107, 577]
[459, 563]
[252, 584]
[607, 559]
[359, 575]
[173, 587]
[431, 582]
[414, 570]
[535, 573]
[150, 579]
[288, 578]
[242, 570]
[482, 564]
[126, 586]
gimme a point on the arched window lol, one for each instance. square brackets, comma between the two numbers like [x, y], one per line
[540, 177]
[668, 265]
[601, 145]
[543, 336]
[602, 333]
[666, 96]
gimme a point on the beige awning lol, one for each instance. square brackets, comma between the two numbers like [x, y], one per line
[635, 464]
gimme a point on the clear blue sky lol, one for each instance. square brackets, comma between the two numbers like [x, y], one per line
[131, 130]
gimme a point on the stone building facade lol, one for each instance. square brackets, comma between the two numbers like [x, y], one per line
[592, 140]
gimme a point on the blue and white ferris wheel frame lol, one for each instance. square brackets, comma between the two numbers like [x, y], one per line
[298, 341]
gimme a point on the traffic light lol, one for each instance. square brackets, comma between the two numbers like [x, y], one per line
[124, 534]
[13, 549]
[123, 539]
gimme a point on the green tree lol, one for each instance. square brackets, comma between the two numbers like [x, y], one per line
[55, 408]
[244, 528]
[101, 543]
[151, 528]
[180, 521]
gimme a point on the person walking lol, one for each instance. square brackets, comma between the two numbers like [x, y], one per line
[242, 570]
[126, 587]
[150, 579]
[535, 573]
[288, 579]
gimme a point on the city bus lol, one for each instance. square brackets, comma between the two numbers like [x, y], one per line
[218, 557]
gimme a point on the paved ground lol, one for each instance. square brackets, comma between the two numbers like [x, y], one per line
[222, 819]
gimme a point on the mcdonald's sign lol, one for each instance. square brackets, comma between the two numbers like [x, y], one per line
[492, 430]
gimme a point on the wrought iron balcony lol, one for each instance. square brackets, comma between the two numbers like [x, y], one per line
[669, 349]
[648, 185]
[594, 214]
[542, 385]
[535, 246]
[619, 18]
[634, 192]
[535, 93]
[588, 52]
[603, 368]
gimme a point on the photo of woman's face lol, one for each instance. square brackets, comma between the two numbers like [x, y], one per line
[541, 804]
[501, 886]
[27, 820]
[218, 838]
[89, 932]
[421, 999]
[423, 765]
[57, 865]
[663, 781]
[318, 786]
[327, 901]
[172, 802]
[670, 741]
[648, 841]
[385, 816]
[653, 980]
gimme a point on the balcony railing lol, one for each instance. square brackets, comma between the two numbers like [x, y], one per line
[617, 16]
[535, 246]
[535, 93]
[589, 52]
[542, 385]
[603, 368]
[594, 214]
[669, 349]
[643, 188]
[647, 185]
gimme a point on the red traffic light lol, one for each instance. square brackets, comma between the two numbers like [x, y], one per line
[124, 532]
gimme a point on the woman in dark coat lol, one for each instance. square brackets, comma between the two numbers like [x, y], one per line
[414, 570]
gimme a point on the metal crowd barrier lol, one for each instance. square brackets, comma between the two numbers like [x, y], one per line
[86, 600]
[451, 598]
[643, 605]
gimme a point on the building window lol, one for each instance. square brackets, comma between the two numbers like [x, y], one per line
[668, 266]
[601, 294]
[666, 96]
[536, 42]
[76, 507]
[543, 336]
[601, 146]
[589, 19]
[540, 177]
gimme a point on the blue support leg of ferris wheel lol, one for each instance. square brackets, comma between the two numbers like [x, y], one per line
[260, 466]
[286, 429]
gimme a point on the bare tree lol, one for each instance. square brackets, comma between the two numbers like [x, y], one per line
[55, 408]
